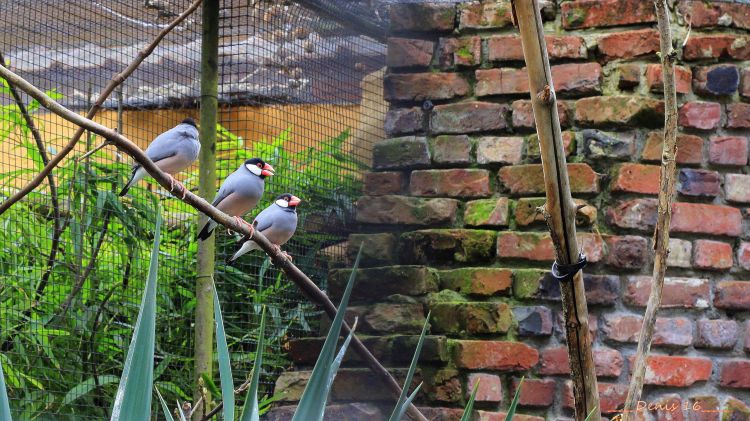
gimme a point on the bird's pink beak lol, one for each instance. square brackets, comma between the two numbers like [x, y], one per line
[294, 201]
[267, 170]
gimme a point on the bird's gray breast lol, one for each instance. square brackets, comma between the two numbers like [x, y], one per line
[282, 227]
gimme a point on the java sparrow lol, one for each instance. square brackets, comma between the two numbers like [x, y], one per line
[277, 222]
[171, 151]
[240, 192]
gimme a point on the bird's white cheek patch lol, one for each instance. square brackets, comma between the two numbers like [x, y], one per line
[253, 169]
[283, 203]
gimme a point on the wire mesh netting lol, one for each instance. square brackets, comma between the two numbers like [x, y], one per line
[296, 89]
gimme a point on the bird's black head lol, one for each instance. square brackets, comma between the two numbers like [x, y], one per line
[288, 200]
[189, 121]
[259, 167]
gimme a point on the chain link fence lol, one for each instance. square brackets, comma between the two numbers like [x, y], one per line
[297, 89]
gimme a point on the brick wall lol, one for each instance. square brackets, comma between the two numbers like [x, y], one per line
[451, 225]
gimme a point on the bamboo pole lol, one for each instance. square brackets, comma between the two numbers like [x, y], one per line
[664, 217]
[559, 211]
[204, 309]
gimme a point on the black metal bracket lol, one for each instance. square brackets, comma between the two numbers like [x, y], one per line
[566, 272]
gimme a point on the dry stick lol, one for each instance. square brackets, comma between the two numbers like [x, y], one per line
[666, 195]
[560, 210]
[116, 80]
[58, 229]
[307, 286]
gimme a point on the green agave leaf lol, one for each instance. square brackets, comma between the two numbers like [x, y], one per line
[86, 386]
[225, 366]
[251, 410]
[133, 398]
[313, 402]
[514, 402]
[402, 404]
[164, 408]
[183, 415]
[4, 403]
[340, 356]
[470, 405]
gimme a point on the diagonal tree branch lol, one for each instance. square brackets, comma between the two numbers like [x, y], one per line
[58, 228]
[116, 80]
[666, 196]
[307, 286]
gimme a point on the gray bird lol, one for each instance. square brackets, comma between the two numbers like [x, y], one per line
[240, 192]
[277, 222]
[171, 151]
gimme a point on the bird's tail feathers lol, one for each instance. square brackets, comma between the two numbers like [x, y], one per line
[135, 176]
[246, 247]
[207, 230]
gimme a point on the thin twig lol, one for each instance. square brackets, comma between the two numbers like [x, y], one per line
[57, 230]
[307, 286]
[666, 195]
[116, 80]
[218, 407]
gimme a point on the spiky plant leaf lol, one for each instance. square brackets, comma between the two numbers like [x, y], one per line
[514, 402]
[225, 365]
[181, 412]
[133, 398]
[313, 402]
[164, 408]
[250, 411]
[340, 356]
[402, 404]
[4, 402]
[470, 405]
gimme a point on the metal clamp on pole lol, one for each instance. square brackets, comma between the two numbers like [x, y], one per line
[566, 272]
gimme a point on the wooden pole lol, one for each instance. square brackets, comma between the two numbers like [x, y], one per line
[559, 210]
[204, 295]
[664, 217]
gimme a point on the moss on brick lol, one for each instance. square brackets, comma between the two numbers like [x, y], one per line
[526, 282]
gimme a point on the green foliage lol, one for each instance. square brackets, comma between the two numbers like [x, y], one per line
[403, 401]
[466, 416]
[514, 402]
[250, 410]
[225, 367]
[4, 404]
[133, 398]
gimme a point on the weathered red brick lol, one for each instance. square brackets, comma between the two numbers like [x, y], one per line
[637, 214]
[403, 121]
[712, 255]
[468, 117]
[538, 246]
[680, 252]
[668, 408]
[575, 79]
[689, 148]
[677, 331]
[678, 292]
[477, 281]
[505, 81]
[529, 179]
[636, 178]
[700, 115]
[710, 14]
[533, 320]
[487, 212]
[629, 44]
[721, 334]
[627, 251]
[745, 83]
[692, 217]
[729, 150]
[703, 408]
[720, 79]
[737, 187]
[683, 78]
[407, 52]
[421, 86]
[732, 295]
[738, 116]
[499, 150]
[747, 336]
[451, 149]
[441, 245]
[694, 182]
[465, 51]
[665, 370]
[736, 374]
[472, 318]
[601, 289]
[627, 111]
[535, 392]
[485, 15]
[629, 76]
[599, 13]
[490, 387]
[611, 396]
[405, 210]
[568, 140]
[523, 115]
[453, 182]
[426, 17]
[380, 183]
[500, 416]
[608, 362]
[508, 47]
[495, 355]
[743, 257]
[716, 46]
